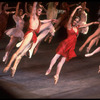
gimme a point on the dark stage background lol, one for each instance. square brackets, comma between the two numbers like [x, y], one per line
[44, 51]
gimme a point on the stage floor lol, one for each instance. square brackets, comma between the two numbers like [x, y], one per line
[79, 77]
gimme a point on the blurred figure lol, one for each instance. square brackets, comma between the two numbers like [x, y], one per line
[4, 14]
[16, 34]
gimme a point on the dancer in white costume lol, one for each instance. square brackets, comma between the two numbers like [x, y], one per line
[16, 34]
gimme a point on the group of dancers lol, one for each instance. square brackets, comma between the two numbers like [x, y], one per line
[37, 30]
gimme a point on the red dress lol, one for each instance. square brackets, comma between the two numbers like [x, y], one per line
[67, 46]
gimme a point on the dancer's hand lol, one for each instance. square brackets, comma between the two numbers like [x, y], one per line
[79, 7]
[96, 22]
[54, 20]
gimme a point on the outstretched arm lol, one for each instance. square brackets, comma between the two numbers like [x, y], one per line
[33, 13]
[97, 32]
[91, 23]
[70, 19]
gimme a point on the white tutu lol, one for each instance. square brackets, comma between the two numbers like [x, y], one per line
[85, 29]
[16, 32]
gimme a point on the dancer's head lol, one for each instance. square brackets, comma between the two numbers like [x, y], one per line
[20, 12]
[75, 21]
[39, 9]
[5, 6]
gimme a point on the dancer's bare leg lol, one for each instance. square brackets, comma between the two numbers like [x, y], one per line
[45, 29]
[59, 67]
[94, 52]
[53, 61]
[25, 42]
[97, 32]
[93, 41]
[36, 48]
[18, 58]
[9, 47]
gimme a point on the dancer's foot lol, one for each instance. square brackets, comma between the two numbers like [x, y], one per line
[87, 50]
[48, 72]
[4, 58]
[99, 69]
[18, 44]
[30, 53]
[13, 70]
[6, 69]
[56, 77]
[88, 55]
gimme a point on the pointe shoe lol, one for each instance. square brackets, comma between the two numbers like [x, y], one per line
[13, 70]
[30, 54]
[88, 55]
[18, 44]
[48, 72]
[5, 58]
[99, 69]
[6, 69]
[56, 77]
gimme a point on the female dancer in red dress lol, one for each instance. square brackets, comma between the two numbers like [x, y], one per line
[67, 46]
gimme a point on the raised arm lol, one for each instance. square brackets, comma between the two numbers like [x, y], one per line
[26, 11]
[70, 19]
[97, 32]
[17, 8]
[33, 13]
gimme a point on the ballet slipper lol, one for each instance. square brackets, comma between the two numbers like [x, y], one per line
[99, 69]
[13, 70]
[4, 58]
[56, 78]
[88, 55]
[18, 44]
[48, 72]
[5, 69]
[30, 53]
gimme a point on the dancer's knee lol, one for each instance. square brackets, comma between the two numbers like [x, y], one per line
[19, 58]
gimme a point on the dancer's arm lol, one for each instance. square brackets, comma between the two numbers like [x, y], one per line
[26, 11]
[85, 25]
[48, 20]
[33, 13]
[17, 8]
[97, 32]
[70, 19]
